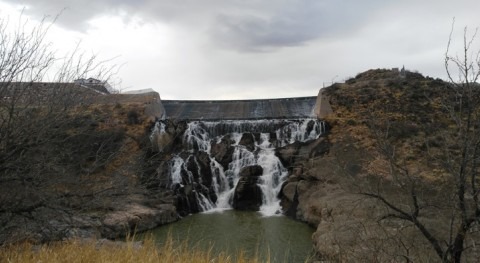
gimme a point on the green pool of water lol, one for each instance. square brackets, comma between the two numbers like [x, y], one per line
[282, 238]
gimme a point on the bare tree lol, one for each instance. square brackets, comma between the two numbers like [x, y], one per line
[457, 198]
[30, 108]
[45, 137]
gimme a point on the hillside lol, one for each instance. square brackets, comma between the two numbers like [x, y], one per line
[393, 138]
[81, 171]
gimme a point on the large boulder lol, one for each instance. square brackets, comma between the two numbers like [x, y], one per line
[223, 151]
[289, 198]
[199, 166]
[288, 153]
[248, 195]
[187, 202]
[248, 140]
[298, 152]
[137, 217]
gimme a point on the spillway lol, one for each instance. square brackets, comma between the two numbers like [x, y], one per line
[286, 108]
[213, 168]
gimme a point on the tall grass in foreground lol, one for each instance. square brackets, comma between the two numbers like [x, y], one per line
[90, 251]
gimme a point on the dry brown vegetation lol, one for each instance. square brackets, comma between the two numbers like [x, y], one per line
[92, 251]
[401, 203]
[380, 100]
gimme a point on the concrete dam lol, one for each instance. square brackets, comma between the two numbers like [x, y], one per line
[286, 108]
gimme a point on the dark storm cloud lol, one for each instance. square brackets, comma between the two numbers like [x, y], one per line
[256, 33]
[293, 23]
[243, 25]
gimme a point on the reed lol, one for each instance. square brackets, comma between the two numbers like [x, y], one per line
[130, 251]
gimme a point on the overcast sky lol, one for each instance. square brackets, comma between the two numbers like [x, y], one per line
[244, 49]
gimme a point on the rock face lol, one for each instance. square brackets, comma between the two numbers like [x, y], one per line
[248, 195]
[248, 140]
[222, 151]
[137, 217]
[196, 180]
[298, 152]
[101, 177]
[322, 191]
[169, 135]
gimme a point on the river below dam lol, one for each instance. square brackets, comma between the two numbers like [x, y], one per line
[277, 237]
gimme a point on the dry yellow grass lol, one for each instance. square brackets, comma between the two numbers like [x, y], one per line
[89, 251]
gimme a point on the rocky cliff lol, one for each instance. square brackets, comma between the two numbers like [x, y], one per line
[387, 138]
[83, 173]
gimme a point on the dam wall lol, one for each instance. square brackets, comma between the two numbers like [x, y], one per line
[302, 107]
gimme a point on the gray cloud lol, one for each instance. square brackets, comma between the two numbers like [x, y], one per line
[73, 14]
[233, 49]
[76, 14]
[256, 33]
[293, 23]
[242, 25]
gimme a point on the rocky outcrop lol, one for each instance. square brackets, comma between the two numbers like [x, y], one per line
[222, 151]
[137, 217]
[196, 180]
[120, 214]
[325, 179]
[102, 179]
[167, 137]
[298, 152]
[248, 140]
[248, 195]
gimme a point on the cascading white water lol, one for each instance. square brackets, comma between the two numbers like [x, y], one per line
[220, 184]
[196, 138]
[199, 136]
[274, 174]
[177, 164]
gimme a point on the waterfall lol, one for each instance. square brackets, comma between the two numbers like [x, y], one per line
[209, 183]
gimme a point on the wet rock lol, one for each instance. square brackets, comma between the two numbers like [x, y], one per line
[288, 154]
[289, 198]
[289, 190]
[223, 151]
[186, 201]
[248, 195]
[248, 140]
[249, 171]
[300, 152]
[205, 170]
[198, 166]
